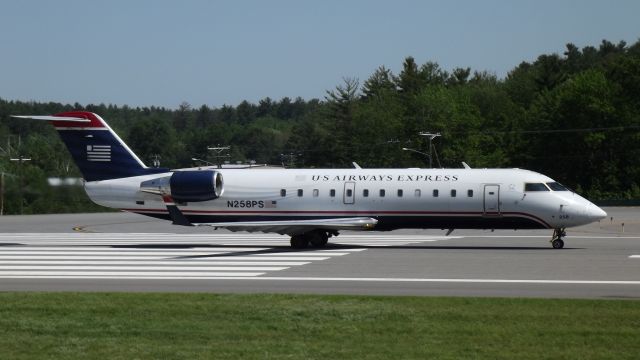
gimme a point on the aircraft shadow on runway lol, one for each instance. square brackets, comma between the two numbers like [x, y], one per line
[288, 249]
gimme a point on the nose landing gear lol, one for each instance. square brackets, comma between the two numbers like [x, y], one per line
[556, 239]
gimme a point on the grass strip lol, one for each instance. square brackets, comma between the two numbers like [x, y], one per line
[202, 326]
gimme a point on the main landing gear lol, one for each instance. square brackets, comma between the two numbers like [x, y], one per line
[556, 239]
[315, 238]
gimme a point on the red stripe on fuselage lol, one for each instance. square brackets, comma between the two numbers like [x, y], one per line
[94, 121]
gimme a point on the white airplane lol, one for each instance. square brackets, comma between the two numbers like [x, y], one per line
[312, 205]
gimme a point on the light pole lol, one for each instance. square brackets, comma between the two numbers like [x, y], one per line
[156, 160]
[202, 161]
[219, 150]
[416, 151]
[20, 161]
[291, 157]
[2, 193]
[431, 136]
[419, 152]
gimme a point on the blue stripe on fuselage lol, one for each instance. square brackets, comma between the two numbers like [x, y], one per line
[385, 223]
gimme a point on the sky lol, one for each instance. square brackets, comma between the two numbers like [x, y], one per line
[162, 53]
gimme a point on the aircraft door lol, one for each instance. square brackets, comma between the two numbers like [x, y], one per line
[349, 193]
[492, 200]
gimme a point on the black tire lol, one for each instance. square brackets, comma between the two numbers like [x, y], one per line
[557, 244]
[299, 242]
[318, 239]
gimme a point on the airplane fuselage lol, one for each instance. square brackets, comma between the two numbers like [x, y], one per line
[397, 198]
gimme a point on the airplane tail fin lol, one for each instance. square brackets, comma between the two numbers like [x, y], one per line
[96, 149]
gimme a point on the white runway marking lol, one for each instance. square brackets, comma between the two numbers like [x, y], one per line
[122, 274]
[175, 263]
[166, 256]
[226, 239]
[136, 268]
[635, 256]
[85, 257]
[479, 281]
[255, 276]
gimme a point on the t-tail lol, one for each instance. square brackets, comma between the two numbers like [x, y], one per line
[96, 149]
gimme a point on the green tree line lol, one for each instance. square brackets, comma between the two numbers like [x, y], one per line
[573, 116]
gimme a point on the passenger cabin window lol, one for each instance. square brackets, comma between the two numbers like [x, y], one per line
[332, 192]
[417, 193]
[470, 193]
[381, 192]
[453, 193]
[399, 192]
[349, 193]
[556, 186]
[316, 192]
[283, 192]
[435, 192]
[535, 187]
[365, 192]
[299, 192]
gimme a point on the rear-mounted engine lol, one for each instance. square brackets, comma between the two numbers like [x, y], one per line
[184, 186]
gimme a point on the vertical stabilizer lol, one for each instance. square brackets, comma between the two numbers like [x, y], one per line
[96, 149]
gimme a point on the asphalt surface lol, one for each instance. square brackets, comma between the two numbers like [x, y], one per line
[128, 252]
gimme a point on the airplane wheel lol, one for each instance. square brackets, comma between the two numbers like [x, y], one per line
[299, 242]
[318, 239]
[557, 244]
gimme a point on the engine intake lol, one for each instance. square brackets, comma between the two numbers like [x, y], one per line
[184, 186]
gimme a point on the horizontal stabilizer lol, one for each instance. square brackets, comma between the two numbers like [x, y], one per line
[51, 118]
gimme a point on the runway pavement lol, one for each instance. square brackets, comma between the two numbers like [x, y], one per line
[127, 252]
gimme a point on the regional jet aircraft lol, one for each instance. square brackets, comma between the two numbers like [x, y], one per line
[311, 205]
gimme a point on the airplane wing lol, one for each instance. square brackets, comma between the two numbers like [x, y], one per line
[293, 227]
[289, 227]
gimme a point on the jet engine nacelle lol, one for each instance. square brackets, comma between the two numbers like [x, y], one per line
[184, 186]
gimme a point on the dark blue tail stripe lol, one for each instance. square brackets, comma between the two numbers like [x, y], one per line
[101, 156]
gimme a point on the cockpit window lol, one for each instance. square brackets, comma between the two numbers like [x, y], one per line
[535, 187]
[556, 186]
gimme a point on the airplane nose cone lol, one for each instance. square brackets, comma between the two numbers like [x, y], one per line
[595, 213]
